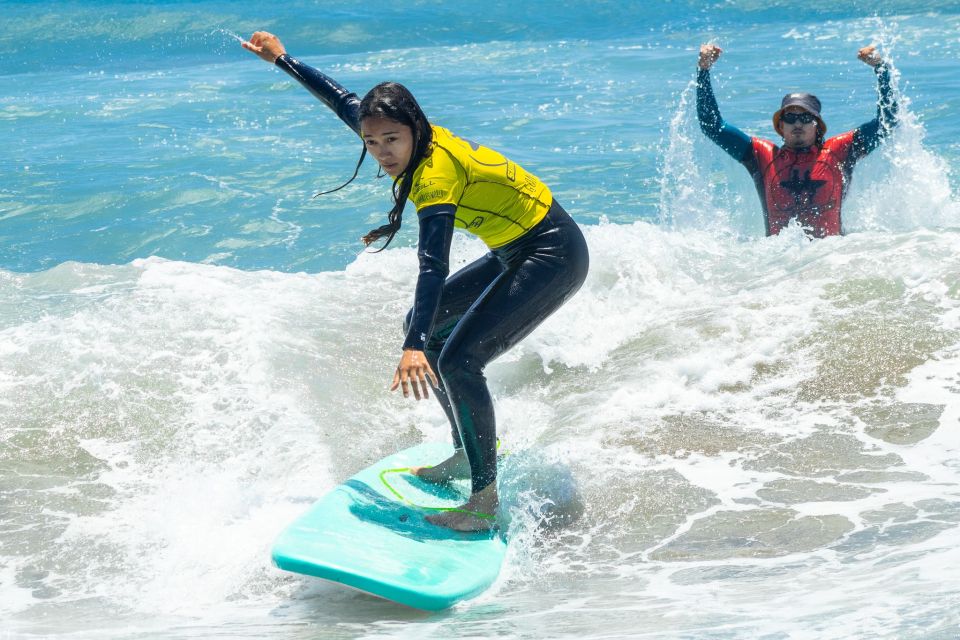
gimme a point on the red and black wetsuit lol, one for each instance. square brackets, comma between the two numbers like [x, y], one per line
[803, 184]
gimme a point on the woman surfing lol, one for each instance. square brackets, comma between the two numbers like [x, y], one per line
[537, 260]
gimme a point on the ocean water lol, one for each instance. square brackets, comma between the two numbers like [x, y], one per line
[764, 431]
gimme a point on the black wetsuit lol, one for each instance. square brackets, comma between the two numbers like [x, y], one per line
[465, 321]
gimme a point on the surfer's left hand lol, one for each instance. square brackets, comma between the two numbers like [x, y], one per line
[266, 45]
[414, 371]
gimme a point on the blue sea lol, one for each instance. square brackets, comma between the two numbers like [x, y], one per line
[193, 348]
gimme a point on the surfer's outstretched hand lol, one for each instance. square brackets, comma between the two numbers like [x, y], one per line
[414, 372]
[708, 55]
[266, 45]
[869, 55]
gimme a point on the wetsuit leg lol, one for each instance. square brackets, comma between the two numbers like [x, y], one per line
[542, 270]
[460, 291]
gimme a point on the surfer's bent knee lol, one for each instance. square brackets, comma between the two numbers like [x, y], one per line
[450, 363]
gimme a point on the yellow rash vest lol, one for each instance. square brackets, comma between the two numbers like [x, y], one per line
[496, 199]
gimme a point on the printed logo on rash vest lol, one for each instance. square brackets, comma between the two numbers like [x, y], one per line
[798, 190]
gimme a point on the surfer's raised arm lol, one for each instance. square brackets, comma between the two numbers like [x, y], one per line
[344, 103]
[729, 138]
[869, 135]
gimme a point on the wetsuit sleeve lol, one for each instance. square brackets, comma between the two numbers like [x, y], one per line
[342, 102]
[868, 137]
[433, 252]
[732, 140]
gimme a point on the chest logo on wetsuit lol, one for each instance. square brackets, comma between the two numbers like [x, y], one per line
[805, 191]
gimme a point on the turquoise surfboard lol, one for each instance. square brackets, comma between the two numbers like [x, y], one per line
[370, 533]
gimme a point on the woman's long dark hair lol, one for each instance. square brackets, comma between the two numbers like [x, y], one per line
[394, 101]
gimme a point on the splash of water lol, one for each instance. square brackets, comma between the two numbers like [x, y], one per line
[229, 34]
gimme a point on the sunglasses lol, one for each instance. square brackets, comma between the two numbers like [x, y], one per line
[802, 118]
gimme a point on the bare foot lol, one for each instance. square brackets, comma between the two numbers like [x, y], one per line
[477, 514]
[454, 467]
